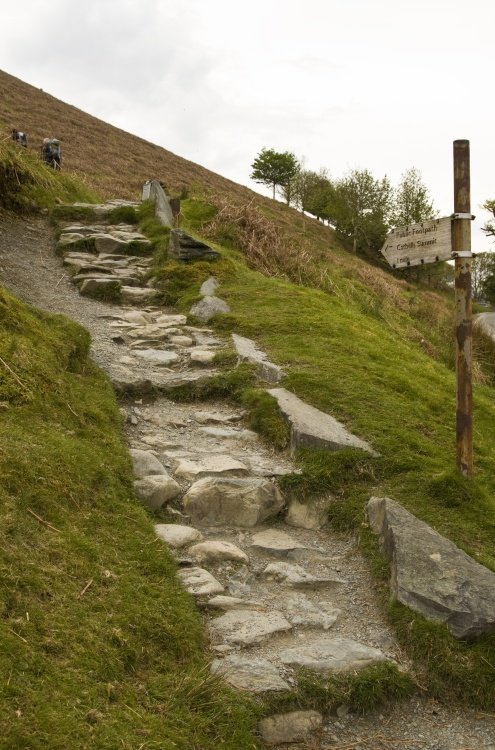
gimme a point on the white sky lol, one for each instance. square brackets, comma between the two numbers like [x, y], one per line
[383, 85]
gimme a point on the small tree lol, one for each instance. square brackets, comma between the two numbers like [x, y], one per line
[276, 169]
[483, 277]
[489, 227]
[412, 203]
[313, 192]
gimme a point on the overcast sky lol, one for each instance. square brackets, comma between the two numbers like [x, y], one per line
[383, 85]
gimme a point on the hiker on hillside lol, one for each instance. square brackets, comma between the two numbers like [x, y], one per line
[51, 153]
[19, 137]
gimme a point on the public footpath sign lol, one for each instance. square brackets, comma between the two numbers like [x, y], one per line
[449, 239]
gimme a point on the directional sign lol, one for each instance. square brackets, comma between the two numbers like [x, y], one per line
[428, 242]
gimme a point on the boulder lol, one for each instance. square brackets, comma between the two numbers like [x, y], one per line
[216, 551]
[247, 351]
[145, 463]
[312, 515]
[431, 575]
[246, 627]
[249, 673]
[137, 296]
[103, 287]
[214, 464]
[208, 307]
[209, 287]
[156, 490]
[282, 729]
[199, 582]
[177, 535]
[240, 503]
[184, 247]
[332, 655]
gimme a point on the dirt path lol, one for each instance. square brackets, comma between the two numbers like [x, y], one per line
[31, 270]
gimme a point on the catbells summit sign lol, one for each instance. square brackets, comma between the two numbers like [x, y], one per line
[428, 242]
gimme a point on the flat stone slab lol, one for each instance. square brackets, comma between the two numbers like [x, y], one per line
[95, 287]
[241, 503]
[226, 603]
[247, 351]
[249, 673]
[215, 417]
[137, 296]
[157, 356]
[275, 542]
[171, 321]
[283, 729]
[294, 575]
[156, 490]
[301, 611]
[311, 427]
[215, 464]
[332, 655]
[229, 433]
[216, 551]
[431, 575]
[247, 627]
[199, 582]
[176, 535]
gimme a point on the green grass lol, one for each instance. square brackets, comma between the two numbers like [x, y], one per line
[99, 645]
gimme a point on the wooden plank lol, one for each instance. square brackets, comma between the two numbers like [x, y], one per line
[428, 242]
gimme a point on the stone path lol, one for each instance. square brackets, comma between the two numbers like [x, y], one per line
[277, 588]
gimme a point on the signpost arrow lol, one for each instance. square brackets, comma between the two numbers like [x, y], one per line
[428, 242]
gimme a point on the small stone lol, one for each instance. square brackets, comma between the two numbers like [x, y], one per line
[181, 340]
[294, 575]
[275, 542]
[199, 582]
[282, 729]
[247, 673]
[246, 627]
[177, 535]
[208, 307]
[156, 490]
[332, 655]
[312, 515]
[208, 287]
[202, 356]
[216, 551]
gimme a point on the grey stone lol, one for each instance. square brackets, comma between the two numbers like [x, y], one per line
[311, 427]
[163, 210]
[156, 490]
[177, 535]
[303, 613]
[282, 729]
[232, 602]
[209, 287]
[107, 243]
[332, 655]
[184, 247]
[205, 417]
[312, 515]
[246, 627]
[157, 356]
[100, 287]
[215, 551]
[137, 296]
[275, 542]
[208, 307]
[181, 341]
[247, 351]
[249, 673]
[296, 576]
[170, 321]
[431, 575]
[202, 356]
[199, 582]
[241, 503]
[145, 463]
[230, 434]
[137, 317]
[214, 464]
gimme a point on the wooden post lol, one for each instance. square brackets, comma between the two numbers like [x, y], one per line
[463, 307]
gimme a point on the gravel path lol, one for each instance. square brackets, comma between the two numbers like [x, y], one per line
[31, 270]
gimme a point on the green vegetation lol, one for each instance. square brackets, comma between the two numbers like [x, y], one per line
[98, 642]
[27, 184]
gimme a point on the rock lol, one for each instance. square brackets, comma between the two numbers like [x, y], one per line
[215, 551]
[216, 464]
[176, 535]
[209, 287]
[294, 575]
[246, 627]
[184, 247]
[145, 463]
[249, 673]
[208, 307]
[310, 515]
[170, 321]
[431, 575]
[202, 356]
[232, 602]
[107, 243]
[157, 356]
[247, 351]
[137, 296]
[199, 582]
[241, 503]
[181, 341]
[103, 287]
[302, 612]
[311, 427]
[137, 317]
[205, 417]
[282, 729]
[156, 490]
[275, 542]
[230, 433]
[332, 655]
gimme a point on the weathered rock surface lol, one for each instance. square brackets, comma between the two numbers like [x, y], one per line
[157, 356]
[176, 535]
[275, 542]
[311, 427]
[199, 582]
[431, 575]
[232, 502]
[300, 611]
[215, 551]
[209, 287]
[310, 515]
[184, 247]
[246, 627]
[247, 351]
[156, 490]
[249, 673]
[296, 576]
[102, 287]
[202, 356]
[232, 602]
[332, 655]
[145, 463]
[137, 295]
[218, 465]
[208, 307]
[207, 417]
[282, 729]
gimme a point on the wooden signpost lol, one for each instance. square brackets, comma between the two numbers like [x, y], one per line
[438, 240]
